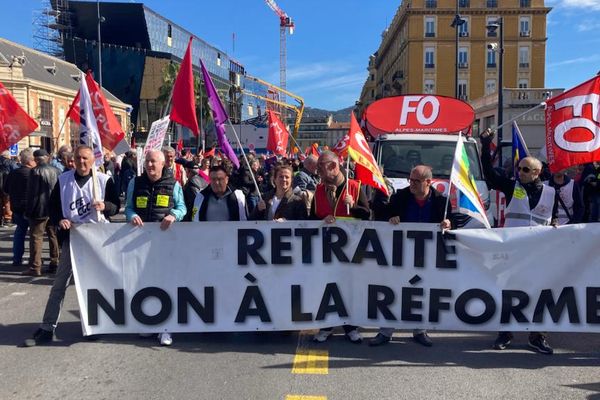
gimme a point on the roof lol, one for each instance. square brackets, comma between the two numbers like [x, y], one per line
[44, 68]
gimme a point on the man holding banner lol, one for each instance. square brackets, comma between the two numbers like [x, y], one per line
[337, 197]
[417, 203]
[73, 202]
[529, 203]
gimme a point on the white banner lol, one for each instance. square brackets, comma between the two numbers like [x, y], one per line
[246, 276]
[156, 136]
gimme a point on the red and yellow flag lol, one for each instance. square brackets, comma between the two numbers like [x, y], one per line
[366, 169]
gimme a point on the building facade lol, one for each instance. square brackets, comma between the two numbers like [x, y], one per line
[417, 53]
[322, 130]
[45, 87]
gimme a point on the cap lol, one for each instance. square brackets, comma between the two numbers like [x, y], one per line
[40, 153]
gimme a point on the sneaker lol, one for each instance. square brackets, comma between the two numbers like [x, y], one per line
[322, 336]
[503, 340]
[165, 339]
[40, 337]
[379, 340]
[354, 336]
[539, 344]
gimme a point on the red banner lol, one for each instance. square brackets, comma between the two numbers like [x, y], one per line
[111, 132]
[183, 110]
[573, 126]
[15, 123]
[341, 148]
[278, 136]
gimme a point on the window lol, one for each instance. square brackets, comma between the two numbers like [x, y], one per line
[429, 87]
[463, 30]
[523, 83]
[491, 58]
[429, 26]
[464, 3]
[46, 110]
[429, 57]
[523, 57]
[463, 57]
[372, 93]
[372, 77]
[524, 29]
[490, 86]
[462, 90]
[430, 3]
[219, 59]
[491, 20]
[169, 35]
[492, 3]
[525, 3]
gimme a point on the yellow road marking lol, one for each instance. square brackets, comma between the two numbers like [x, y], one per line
[307, 361]
[302, 397]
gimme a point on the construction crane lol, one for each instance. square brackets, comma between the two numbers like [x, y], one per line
[285, 23]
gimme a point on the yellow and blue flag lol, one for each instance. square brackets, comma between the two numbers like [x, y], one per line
[519, 148]
[469, 202]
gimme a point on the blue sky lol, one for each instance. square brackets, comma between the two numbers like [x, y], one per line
[328, 53]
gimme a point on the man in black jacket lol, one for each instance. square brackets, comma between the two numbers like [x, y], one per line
[218, 202]
[16, 187]
[419, 202]
[41, 181]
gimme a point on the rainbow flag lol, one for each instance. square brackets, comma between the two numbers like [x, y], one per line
[469, 202]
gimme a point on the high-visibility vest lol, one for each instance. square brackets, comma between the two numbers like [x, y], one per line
[518, 212]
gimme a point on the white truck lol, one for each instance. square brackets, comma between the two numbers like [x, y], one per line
[423, 129]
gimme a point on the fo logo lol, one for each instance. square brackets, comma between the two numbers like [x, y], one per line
[579, 122]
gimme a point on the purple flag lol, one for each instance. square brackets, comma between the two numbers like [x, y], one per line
[219, 116]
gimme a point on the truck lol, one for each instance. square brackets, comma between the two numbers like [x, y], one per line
[424, 129]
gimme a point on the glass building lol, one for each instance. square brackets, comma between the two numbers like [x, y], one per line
[137, 47]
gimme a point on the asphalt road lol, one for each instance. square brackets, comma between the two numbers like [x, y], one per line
[272, 365]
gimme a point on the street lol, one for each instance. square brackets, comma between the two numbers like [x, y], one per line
[275, 365]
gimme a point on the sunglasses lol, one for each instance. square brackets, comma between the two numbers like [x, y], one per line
[525, 169]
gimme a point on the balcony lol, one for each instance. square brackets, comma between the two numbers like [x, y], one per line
[463, 65]
[429, 65]
[525, 33]
[398, 75]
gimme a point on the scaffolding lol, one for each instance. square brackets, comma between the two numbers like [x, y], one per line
[51, 25]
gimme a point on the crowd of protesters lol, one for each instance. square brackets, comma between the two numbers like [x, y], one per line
[207, 187]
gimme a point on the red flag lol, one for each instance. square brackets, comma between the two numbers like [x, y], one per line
[573, 126]
[366, 169]
[278, 136]
[111, 132]
[183, 110]
[15, 123]
[180, 145]
[210, 153]
[341, 148]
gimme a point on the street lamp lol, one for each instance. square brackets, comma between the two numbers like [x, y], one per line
[492, 27]
[456, 23]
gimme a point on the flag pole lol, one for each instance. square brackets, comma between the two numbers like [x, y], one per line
[542, 104]
[245, 158]
[347, 178]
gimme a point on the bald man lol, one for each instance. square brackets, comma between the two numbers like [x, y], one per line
[529, 202]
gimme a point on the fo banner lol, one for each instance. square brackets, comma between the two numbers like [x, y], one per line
[247, 276]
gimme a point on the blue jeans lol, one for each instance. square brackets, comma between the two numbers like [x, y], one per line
[19, 237]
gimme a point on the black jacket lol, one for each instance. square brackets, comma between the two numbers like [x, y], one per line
[16, 187]
[292, 207]
[232, 204]
[399, 201]
[193, 185]
[42, 180]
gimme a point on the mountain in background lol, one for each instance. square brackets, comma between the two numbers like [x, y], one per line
[342, 115]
